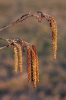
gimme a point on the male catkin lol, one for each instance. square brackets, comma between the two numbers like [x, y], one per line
[19, 52]
[54, 36]
[29, 62]
[33, 67]
[15, 60]
[37, 69]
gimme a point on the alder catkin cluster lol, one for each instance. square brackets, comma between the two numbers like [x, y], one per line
[32, 57]
[17, 58]
[32, 63]
[54, 36]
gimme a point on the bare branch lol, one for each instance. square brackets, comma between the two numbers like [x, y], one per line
[14, 42]
[22, 18]
[3, 47]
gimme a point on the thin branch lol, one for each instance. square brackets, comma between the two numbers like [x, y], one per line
[21, 19]
[17, 21]
[14, 42]
[3, 47]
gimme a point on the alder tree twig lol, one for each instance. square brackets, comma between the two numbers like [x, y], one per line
[3, 47]
[26, 16]
[14, 42]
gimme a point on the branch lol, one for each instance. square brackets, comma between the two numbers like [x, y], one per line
[14, 42]
[3, 47]
[26, 16]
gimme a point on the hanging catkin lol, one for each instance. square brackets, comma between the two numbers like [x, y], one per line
[37, 69]
[33, 67]
[19, 52]
[29, 62]
[15, 60]
[54, 36]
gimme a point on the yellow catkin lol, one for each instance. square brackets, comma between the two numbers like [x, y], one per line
[33, 68]
[54, 36]
[15, 60]
[37, 69]
[19, 52]
[29, 62]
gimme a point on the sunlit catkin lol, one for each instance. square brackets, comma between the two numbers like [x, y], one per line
[15, 60]
[33, 67]
[37, 69]
[29, 62]
[54, 36]
[19, 52]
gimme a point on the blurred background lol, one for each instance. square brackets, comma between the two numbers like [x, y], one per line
[52, 85]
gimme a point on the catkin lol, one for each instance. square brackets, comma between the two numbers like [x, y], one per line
[54, 36]
[29, 62]
[37, 69]
[33, 68]
[19, 52]
[15, 60]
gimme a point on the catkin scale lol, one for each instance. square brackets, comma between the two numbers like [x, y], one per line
[19, 52]
[15, 60]
[37, 69]
[54, 36]
[33, 66]
[29, 62]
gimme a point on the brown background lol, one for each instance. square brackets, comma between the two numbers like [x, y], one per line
[52, 84]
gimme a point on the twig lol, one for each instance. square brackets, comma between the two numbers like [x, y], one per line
[3, 47]
[22, 18]
[14, 42]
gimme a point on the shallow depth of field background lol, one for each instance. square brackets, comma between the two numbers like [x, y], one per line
[52, 85]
